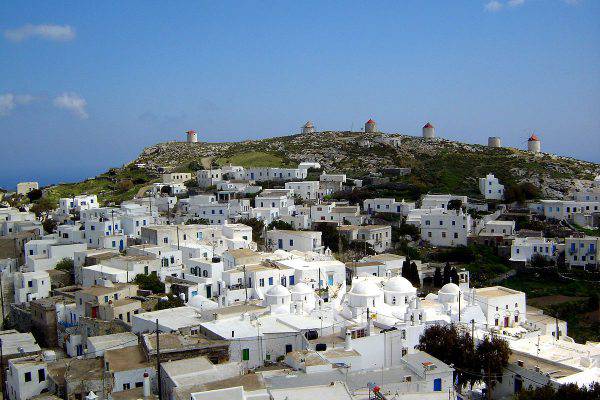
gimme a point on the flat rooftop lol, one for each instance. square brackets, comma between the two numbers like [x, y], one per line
[126, 359]
[495, 291]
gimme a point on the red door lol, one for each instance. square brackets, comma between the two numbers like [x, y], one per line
[94, 312]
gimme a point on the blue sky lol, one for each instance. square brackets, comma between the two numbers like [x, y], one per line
[86, 85]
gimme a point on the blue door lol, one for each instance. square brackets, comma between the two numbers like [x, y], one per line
[330, 280]
[437, 385]
[280, 243]
[121, 245]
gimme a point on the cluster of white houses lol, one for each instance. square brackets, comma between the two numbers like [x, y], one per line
[288, 304]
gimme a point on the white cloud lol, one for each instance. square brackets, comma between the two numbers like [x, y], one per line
[493, 6]
[72, 102]
[9, 101]
[515, 3]
[58, 33]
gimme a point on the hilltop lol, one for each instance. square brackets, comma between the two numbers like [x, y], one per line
[438, 166]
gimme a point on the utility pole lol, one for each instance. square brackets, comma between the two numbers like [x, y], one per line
[112, 221]
[158, 373]
[473, 333]
[557, 331]
[245, 283]
[2, 371]
[2, 299]
[459, 296]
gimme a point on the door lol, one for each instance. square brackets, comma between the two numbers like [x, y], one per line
[209, 291]
[94, 312]
[330, 280]
[288, 348]
[506, 319]
[121, 245]
[280, 243]
[437, 385]
[518, 383]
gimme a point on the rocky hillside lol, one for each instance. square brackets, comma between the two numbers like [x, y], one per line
[438, 165]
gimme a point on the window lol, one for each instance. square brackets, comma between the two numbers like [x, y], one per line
[261, 282]
[455, 235]
[106, 299]
[27, 376]
[291, 242]
[126, 386]
[271, 281]
[41, 375]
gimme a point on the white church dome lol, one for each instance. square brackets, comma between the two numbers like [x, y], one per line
[278, 290]
[365, 288]
[301, 288]
[399, 284]
[449, 288]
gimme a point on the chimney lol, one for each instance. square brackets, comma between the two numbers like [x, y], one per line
[348, 342]
[146, 385]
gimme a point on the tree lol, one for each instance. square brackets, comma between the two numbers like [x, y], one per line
[195, 166]
[593, 302]
[565, 392]
[124, 185]
[192, 183]
[362, 247]
[43, 207]
[171, 302]
[406, 268]
[280, 225]
[34, 195]
[330, 236]
[455, 204]
[66, 264]
[197, 221]
[49, 225]
[452, 346]
[454, 276]
[538, 261]
[493, 355]
[257, 227]
[150, 282]
[438, 280]
[447, 272]
[521, 192]
[414, 275]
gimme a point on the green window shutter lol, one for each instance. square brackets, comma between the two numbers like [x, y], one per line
[245, 354]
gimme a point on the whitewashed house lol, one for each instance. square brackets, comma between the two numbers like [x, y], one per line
[490, 188]
[449, 229]
[31, 286]
[502, 307]
[582, 251]
[523, 249]
[378, 236]
[26, 377]
[209, 177]
[387, 205]
[307, 190]
[68, 205]
[295, 240]
[441, 200]
[176, 177]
